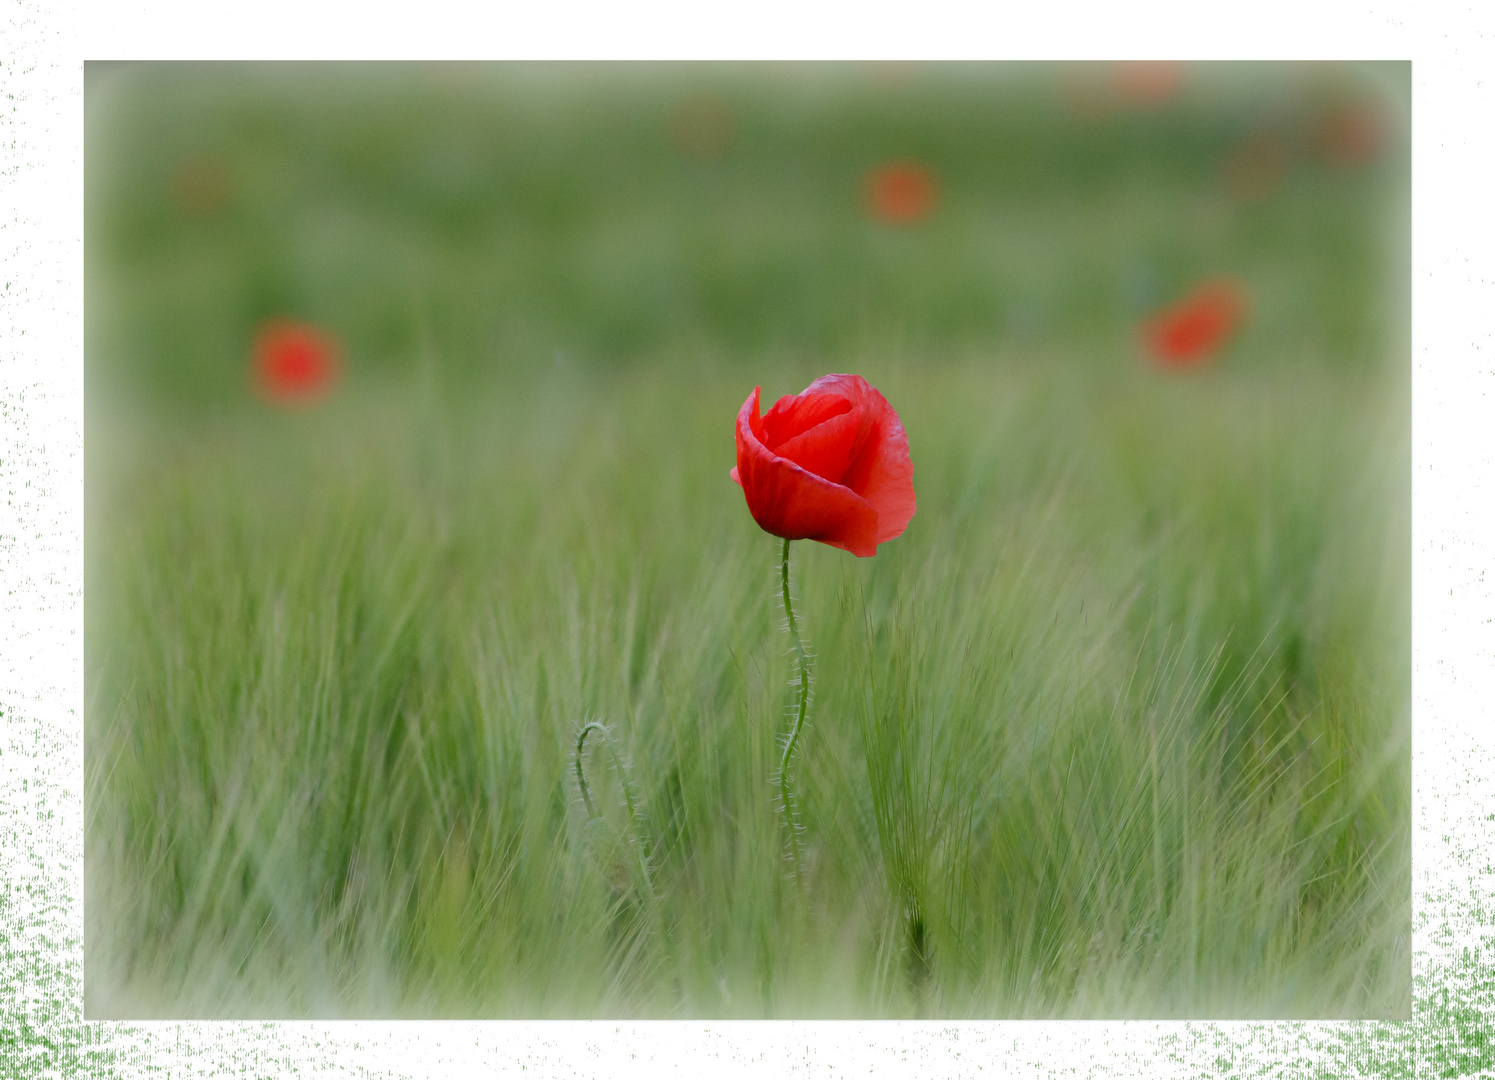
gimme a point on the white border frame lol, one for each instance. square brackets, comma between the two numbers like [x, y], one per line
[41, 707]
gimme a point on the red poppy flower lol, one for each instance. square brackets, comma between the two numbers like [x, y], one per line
[1350, 135]
[892, 73]
[702, 128]
[1082, 91]
[295, 363]
[1190, 331]
[1254, 169]
[200, 185]
[1147, 82]
[901, 193]
[830, 464]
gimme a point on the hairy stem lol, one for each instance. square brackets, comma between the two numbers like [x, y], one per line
[637, 841]
[581, 776]
[799, 719]
[586, 794]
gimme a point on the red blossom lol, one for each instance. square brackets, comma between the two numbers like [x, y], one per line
[200, 185]
[1350, 134]
[901, 193]
[702, 127]
[892, 73]
[1146, 83]
[1192, 330]
[295, 363]
[1091, 92]
[830, 464]
[1254, 168]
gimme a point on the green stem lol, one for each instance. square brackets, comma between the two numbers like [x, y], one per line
[638, 843]
[581, 776]
[586, 794]
[799, 720]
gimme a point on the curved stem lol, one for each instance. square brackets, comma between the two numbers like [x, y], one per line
[586, 794]
[633, 822]
[799, 720]
[638, 841]
[581, 776]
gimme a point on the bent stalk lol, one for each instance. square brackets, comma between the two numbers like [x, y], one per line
[637, 839]
[785, 794]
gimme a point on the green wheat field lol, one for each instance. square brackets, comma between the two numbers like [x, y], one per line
[1119, 727]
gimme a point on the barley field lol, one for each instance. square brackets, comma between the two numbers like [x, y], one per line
[1119, 726]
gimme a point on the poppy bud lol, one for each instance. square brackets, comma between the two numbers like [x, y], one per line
[830, 464]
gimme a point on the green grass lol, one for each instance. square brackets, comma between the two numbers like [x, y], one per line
[1119, 727]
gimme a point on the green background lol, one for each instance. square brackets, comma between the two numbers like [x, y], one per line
[381, 617]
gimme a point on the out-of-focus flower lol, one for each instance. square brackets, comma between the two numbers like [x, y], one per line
[1350, 134]
[702, 127]
[892, 73]
[830, 464]
[200, 185]
[453, 74]
[901, 193]
[1146, 83]
[295, 363]
[1191, 331]
[1092, 92]
[1254, 168]
[1081, 90]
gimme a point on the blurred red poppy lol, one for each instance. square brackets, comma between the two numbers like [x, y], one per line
[1097, 91]
[1192, 330]
[892, 73]
[702, 127]
[1081, 90]
[200, 185]
[1146, 82]
[830, 464]
[1254, 168]
[901, 192]
[1350, 135]
[295, 363]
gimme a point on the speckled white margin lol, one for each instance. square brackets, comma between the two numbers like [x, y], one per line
[41, 440]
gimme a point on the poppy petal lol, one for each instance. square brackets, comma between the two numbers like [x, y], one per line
[788, 501]
[881, 471]
[828, 448]
[792, 416]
